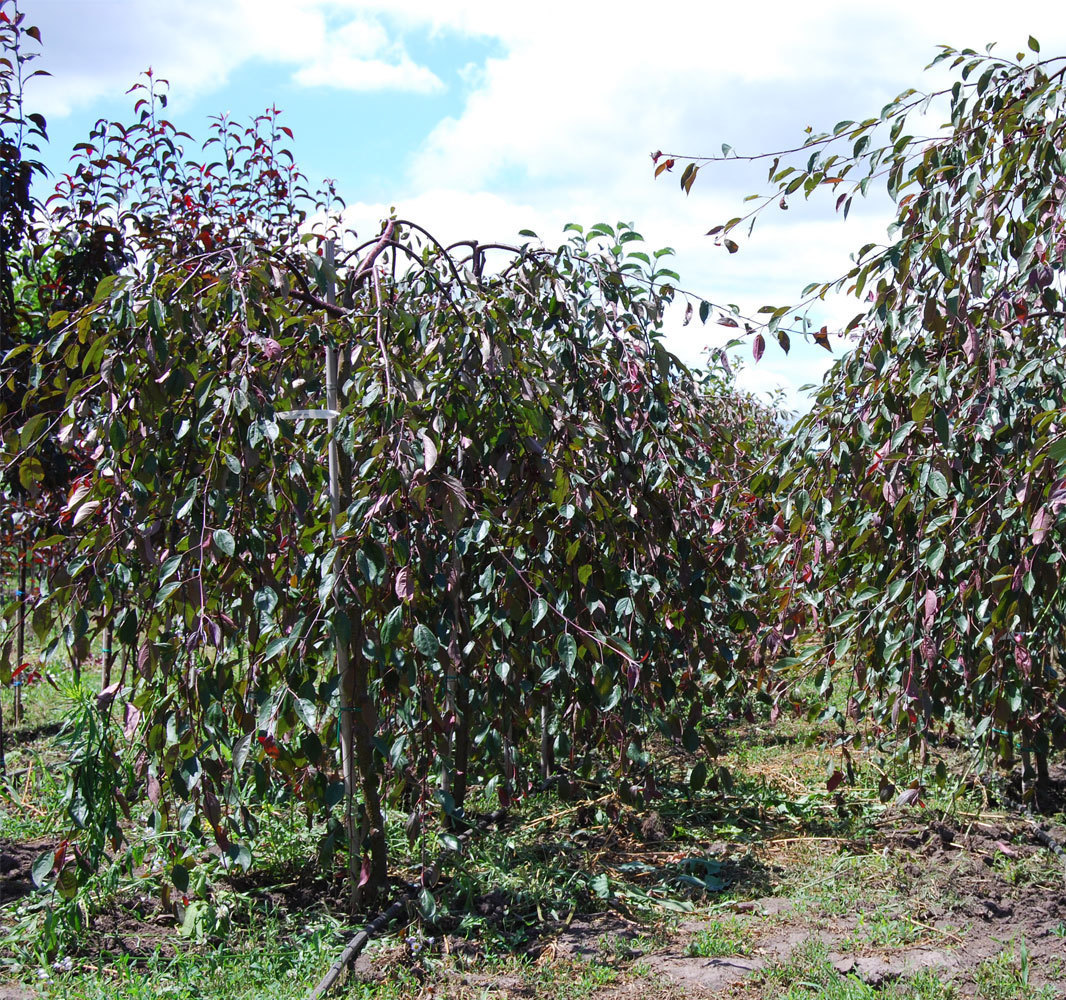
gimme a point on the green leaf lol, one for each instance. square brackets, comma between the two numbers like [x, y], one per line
[79, 809]
[427, 906]
[697, 778]
[938, 484]
[934, 558]
[566, 647]
[307, 711]
[67, 882]
[31, 473]
[42, 867]
[169, 567]
[165, 591]
[390, 627]
[240, 752]
[425, 641]
[223, 541]
[278, 645]
[265, 600]
[1057, 450]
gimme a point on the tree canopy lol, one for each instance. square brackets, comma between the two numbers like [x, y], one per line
[920, 500]
[540, 535]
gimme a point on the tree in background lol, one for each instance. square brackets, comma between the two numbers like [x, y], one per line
[921, 499]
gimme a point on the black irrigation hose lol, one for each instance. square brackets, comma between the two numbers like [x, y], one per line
[357, 944]
[381, 921]
[1041, 835]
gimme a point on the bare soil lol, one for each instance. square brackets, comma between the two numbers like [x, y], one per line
[965, 893]
[913, 892]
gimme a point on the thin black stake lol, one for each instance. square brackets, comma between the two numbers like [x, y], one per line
[109, 655]
[20, 648]
[3, 761]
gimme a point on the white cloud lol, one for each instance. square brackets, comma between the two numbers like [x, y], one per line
[97, 48]
[360, 56]
[344, 72]
[563, 121]
[557, 124]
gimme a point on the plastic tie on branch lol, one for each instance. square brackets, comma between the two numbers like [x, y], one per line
[319, 414]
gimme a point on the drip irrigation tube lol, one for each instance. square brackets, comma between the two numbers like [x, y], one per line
[1041, 836]
[356, 945]
[400, 906]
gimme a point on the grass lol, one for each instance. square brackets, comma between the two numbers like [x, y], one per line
[821, 878]
[885, 930]
[808, 974]
[770, 827]
[721, 938]
[282, 961]
[568, 980]
[1006, 976]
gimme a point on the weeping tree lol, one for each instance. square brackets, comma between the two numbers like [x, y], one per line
[21, 134]
[920, 500]
[370, 524]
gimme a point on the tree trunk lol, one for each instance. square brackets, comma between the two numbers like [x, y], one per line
[109, 654]
[351, 736]
[365, 724]
[1043, 779]
[458, 694]
[3, 760]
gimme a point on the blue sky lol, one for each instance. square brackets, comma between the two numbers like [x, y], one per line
[481, 118]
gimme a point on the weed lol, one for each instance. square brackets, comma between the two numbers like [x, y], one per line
[279, 959]
[568, 981]
[926, 985]
[882, 930]
[808, 974]
[720, 938]
[1006, 976]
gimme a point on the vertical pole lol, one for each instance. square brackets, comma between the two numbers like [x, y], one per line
[344, 671]
[20, 648]
[3, 760]
[547, 746]
[109, 655]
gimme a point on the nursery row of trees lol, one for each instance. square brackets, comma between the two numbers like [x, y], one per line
[919, 502]
[376, 522]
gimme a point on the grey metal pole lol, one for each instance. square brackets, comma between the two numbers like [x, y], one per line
[344, 668]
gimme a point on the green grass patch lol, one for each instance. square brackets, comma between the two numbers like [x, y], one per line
[808, 974]
[720, 938]
[1006, 976]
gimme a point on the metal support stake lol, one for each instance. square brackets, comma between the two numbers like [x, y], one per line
[344, 667]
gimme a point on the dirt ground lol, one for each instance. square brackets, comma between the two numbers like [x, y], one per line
[912, 890]
[960, 894]
[937, 895]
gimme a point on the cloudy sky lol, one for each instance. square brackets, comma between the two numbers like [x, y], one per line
[479, 118]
